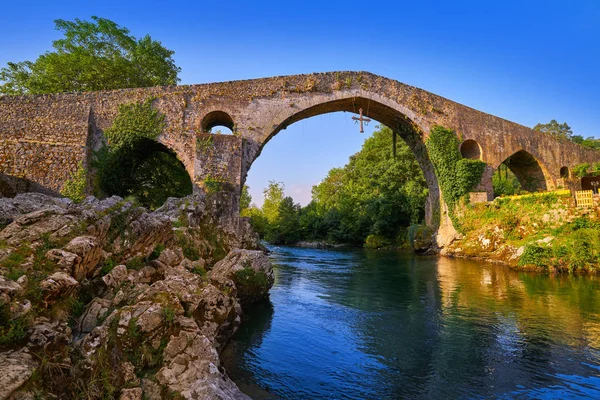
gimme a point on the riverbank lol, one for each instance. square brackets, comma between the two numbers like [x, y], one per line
[543, 232]
[104, 299]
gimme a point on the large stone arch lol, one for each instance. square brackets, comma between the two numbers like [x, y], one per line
[376, 107]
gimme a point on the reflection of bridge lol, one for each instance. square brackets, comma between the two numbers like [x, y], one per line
[45, 137]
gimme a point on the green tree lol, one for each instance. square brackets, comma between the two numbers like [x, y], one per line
[274, 195]
[285, 229]
[562, 131]
[245, 200]
[92, 55]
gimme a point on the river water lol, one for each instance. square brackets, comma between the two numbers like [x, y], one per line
[385, 325]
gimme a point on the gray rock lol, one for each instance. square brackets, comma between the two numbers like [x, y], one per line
[17, 367]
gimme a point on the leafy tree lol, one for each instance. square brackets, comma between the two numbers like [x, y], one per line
[274, 195]
[374, 194]
[504, 182]
[285, 228]
[590, 142]
[92, 55]
[562, 131]
[245, 200]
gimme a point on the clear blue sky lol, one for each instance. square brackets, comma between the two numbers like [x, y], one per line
[527, 61]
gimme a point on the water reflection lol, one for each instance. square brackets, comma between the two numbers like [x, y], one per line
[353, 324]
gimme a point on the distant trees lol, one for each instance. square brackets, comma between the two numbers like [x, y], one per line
[564, 131]
[92, 55]
[374, 194]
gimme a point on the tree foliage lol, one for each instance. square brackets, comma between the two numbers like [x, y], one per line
[590, 142]
[374, 194]
[561, 131]
[92, 55]
[245, 200]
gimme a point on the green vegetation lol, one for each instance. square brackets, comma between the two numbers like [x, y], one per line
[457, 176]
[586, 169]
[561, 131]
[375, 194]
[92, 55]
[504, 182]
[134, 164]
[250, 284]
[564, 131]
[75, 187]
[553, 235]
[590, 142]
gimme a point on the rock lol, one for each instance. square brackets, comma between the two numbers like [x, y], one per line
[33, 227]
[116, 277]
[131, 394]
[17, 367]
[56, 285]
[217, 314]
[49, 336]
[151, 390]
[90, 253]
[97, 309]
[191, 367]
[250, 270]
[23, 281]
[19, 309]
[9, 288]
[171, 257]
[65, 260]
[128, 374]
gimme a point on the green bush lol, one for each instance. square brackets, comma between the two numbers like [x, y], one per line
[376, 242]
[251, 285]
[75, 187]
[539, 256]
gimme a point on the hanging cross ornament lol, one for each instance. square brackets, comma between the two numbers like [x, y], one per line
[361, 119]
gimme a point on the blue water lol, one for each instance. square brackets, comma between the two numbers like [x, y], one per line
[384, 325]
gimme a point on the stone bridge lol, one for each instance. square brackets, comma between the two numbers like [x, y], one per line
[44, 137]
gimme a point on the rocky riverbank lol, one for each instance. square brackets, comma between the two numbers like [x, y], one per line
[104, 299]
[543, 232]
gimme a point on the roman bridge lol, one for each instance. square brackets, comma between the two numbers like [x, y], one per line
[45, 137]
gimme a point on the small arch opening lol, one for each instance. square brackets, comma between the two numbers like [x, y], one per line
[564, 172]
[526, 173]
[218, 122]
[470, 149]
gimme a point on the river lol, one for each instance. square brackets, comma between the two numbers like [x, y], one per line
[386, 325]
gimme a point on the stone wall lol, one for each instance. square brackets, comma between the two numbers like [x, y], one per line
[45, 137]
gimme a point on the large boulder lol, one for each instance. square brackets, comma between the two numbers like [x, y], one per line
[16, 368]
[251, 272]
[191, 367]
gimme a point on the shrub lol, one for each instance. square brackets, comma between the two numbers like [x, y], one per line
[376, 242]
[251, 285]
[536, 255]
[75, 187]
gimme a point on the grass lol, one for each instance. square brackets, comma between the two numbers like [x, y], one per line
[555, 235]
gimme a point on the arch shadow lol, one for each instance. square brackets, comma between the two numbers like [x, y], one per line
[530, 172]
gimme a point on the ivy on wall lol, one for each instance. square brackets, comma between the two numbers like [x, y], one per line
[134, 122]
[456, 175]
